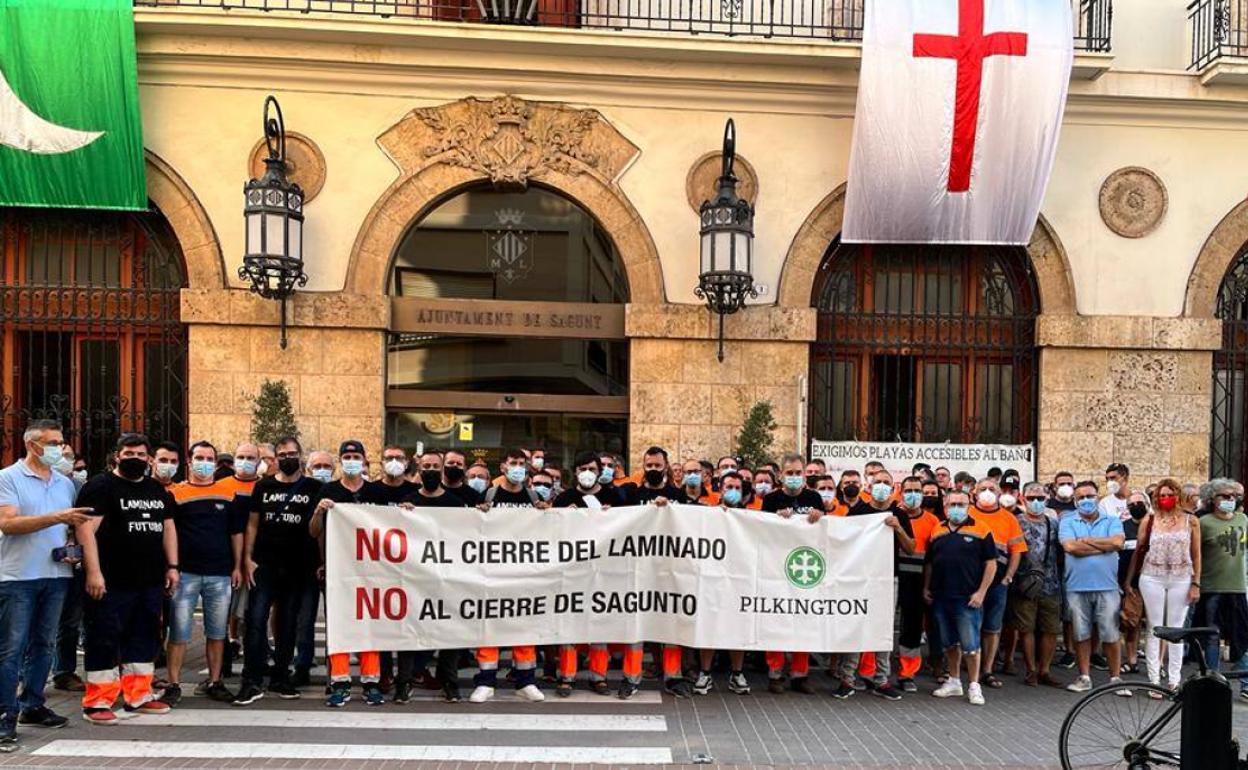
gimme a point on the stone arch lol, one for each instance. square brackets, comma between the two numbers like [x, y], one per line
[1216, 256]
[508, 142]
[205, 268]
[797, 277]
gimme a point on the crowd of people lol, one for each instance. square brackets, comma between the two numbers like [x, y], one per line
[119, 562]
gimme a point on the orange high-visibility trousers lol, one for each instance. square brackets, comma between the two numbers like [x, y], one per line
[798, 668]
[523, 664]
[598, 660]
[340, 667]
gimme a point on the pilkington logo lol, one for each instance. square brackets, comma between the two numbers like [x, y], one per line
[805, 567]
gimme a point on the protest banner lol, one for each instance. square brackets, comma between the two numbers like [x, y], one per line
[899, 458]
[434, 578]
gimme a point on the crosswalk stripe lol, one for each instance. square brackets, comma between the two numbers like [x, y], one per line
[372, 720]
[633, 755]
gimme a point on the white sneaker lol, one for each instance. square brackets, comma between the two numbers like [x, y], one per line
[738, 684]
[975, 694]
[1081, 684]
[1124, 692]
[952, 688]
[481, 694]
[704, 684]
[529, 692]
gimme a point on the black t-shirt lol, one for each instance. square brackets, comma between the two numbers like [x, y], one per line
[958, 559]
[446, 499]
[863, 508]
[131, 536]
[778, 500]
[335, 491]
[467, 495]
[206, 522]
[1060, 505]
[575, 498]
[1131, 535]
[640, 495]
[506, 499]
[283, 539]
[380, 493]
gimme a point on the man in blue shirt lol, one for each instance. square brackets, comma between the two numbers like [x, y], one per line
[36, 506]
[1092, 540]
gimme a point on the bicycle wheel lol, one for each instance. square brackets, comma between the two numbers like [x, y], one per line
[1107, 730]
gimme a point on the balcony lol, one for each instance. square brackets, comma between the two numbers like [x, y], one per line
[1219, 34]
[831, 20]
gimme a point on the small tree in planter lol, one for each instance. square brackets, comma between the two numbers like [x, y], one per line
[753, 443]
[271, 414]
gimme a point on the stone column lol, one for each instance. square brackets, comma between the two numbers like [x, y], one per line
[1136, 390]
[689, 403]
[334, 365]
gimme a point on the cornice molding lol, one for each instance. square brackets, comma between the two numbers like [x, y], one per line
[390, 57]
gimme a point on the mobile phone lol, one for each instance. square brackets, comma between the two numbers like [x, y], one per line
[67, 553]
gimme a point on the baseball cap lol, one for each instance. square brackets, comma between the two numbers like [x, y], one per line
[350, 446]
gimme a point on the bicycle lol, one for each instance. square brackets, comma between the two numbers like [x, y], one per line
[1187, 728]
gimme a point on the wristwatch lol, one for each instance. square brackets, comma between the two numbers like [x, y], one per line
[173, 567]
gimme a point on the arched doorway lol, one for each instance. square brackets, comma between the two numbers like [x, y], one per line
[91, 331]
[924, 343]
[1229, 431]
[507, 328]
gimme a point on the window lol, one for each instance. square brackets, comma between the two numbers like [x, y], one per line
[924, 343]
[1230, 364]
[91, 331]
[507, 328]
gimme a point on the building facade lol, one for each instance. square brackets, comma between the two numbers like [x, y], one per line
[501, 241]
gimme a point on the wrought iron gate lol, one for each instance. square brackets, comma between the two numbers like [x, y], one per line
[924, 343]
[1230, 364]
[91, 331]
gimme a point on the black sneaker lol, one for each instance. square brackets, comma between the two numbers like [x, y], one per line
[247, 695]
[8, 734]
[373, 695]
[42, 716]
[627, 690]
[172, 695]
[678, 687]
[402, 692]
[844, 690]
[1100, 663]
[1067, 660]
[284, 690]
[907, 685]
[219, 692]
[451, 693]
[302, 678]
[887, 691]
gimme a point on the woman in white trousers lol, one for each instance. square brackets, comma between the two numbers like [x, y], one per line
[1167, 561]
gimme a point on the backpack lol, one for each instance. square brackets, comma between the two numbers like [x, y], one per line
[492, 492]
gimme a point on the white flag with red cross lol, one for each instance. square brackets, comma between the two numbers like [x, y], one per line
[959, 108]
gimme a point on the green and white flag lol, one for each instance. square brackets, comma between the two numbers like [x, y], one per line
[70, 132]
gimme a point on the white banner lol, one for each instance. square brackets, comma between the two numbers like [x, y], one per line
[900, 458]
[959, 108]
[434, 578]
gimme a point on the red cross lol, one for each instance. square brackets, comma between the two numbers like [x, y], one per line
[970, 47]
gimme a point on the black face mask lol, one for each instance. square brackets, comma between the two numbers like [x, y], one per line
[931, 501]
[1137, 510]
[288, 465]
[747, 489]
[851, 491]
[430, 480]
[132, 468]
[655, 478]
[453, 474]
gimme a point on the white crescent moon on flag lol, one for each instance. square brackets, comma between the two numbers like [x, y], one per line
[22, 129]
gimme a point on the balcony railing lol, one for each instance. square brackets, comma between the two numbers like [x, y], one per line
[810, 19]
[1219, 29]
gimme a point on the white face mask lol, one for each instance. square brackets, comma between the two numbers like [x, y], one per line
[987, 499]
[538, 463]
[1065, 491]
[166, 470]
[586, 479]
[395, 468]
[80, 476]
[263, 468]
[1114, 487]
[1008, 501]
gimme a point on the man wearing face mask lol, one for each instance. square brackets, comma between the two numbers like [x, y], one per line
[1062, 501]
[1035, 607]
[960, 559]
[210, 552]
[69, 632]
[654, 486]
[130, 552]
[764, 483]
[1092, 540]
[351, 488]
[694, 486]
[588, 491]
[848, 491]
[454, 478]
[1118, 487]
[1007, 535]
[1131, 611]
[965, 483]
[882, 501]
[815, 470]
[320, 466]
[512, 492]
[910, 601]
[730, 495]
[280, 562]
[393, 488]
[246, 474]
[1223, 591]
[165, 463]
[268, 460]
[793, 497]
[826, 487]
[477, 478]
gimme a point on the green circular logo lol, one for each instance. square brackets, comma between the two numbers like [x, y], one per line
[805, 567]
